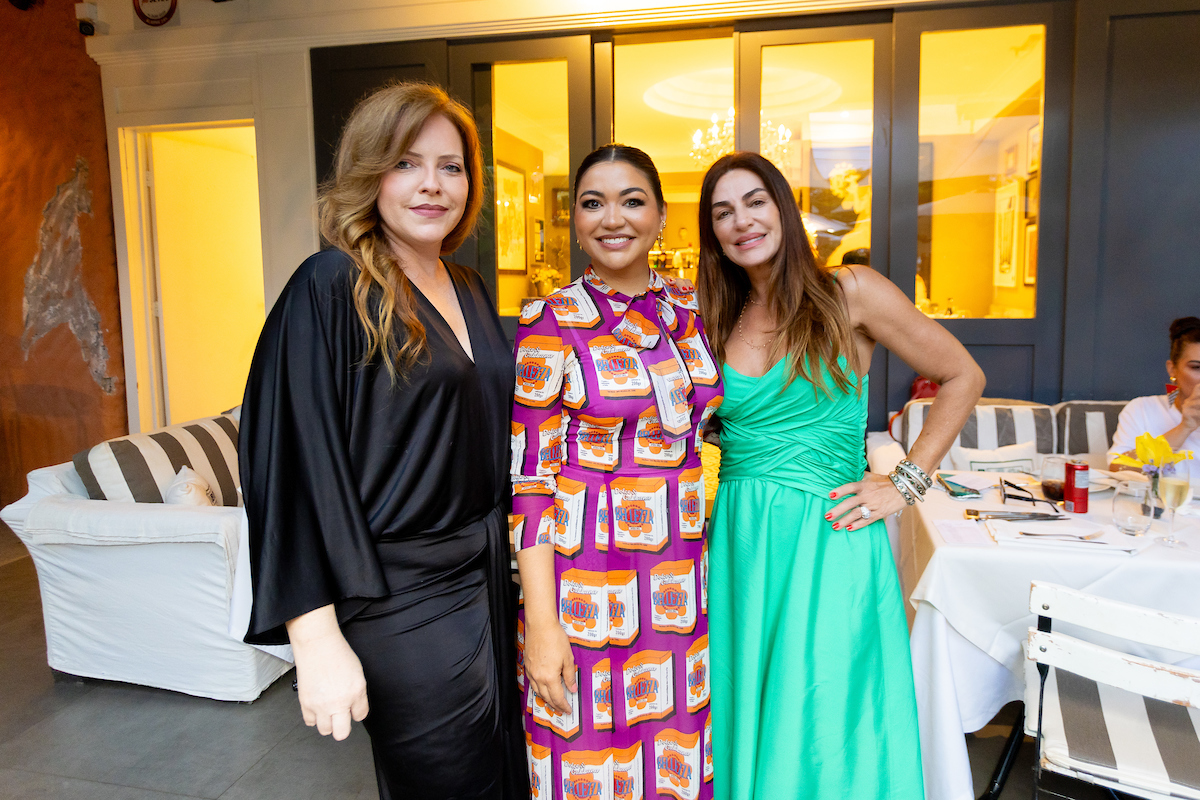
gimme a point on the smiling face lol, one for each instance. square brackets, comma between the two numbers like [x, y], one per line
[746, 219]
[1186, 370]
[423, 197]
[617, 219]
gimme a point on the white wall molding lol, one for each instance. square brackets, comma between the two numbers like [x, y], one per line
[325, 28]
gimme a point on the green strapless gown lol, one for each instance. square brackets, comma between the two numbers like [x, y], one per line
[812, 692]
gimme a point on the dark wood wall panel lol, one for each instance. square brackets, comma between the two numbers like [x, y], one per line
[341, 76]
[1009, 369]
[1150, 226]
[1133, 262]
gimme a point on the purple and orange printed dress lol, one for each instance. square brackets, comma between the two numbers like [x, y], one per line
[612, 393]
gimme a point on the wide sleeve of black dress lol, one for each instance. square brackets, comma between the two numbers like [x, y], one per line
[311, 542]
[388, 500]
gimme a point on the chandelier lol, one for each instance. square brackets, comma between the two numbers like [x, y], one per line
[709, 145]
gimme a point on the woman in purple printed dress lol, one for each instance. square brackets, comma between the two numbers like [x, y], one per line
[615, 382]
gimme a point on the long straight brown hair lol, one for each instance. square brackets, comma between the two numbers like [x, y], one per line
[380, 130]
[813, 322]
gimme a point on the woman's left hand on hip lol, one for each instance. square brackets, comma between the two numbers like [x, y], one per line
[875, 493]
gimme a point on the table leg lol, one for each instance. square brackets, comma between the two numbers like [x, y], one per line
[1007, 758]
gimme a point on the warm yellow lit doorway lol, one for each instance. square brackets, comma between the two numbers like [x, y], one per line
[200, 285]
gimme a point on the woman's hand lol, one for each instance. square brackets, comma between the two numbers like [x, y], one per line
[875, 492]
[329, 676]
[549, 663]
[682, 284]
[1190, 408]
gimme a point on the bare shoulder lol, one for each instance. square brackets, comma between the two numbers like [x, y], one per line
[866, 291]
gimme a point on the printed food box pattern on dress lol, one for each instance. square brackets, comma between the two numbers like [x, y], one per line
[622, 501]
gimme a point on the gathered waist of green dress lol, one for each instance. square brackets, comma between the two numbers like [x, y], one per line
[809, 466]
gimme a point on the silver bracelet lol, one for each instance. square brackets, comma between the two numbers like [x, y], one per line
[913, 481]
[901, 488]
[916, 472]
[913, 486]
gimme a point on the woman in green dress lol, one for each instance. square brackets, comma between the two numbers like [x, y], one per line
[812, 690]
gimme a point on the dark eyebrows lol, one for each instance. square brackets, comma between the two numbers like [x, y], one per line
[745, 197]
[624, 192]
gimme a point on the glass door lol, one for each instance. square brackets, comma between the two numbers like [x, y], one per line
[675, 99]
[532, 102]
[979, 175]
[817, 103]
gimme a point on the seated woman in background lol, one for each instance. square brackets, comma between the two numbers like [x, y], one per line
[1175, 415]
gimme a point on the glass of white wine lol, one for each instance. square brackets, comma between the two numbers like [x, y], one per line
[1175, 490]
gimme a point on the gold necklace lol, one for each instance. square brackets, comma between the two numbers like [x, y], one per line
[742, 336]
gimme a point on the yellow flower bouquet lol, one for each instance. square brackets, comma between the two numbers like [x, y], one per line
[1154, 456]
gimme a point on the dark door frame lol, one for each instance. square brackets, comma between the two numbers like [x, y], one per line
[747, 100]
[1044, 333]
[425, 58]
[470, 66]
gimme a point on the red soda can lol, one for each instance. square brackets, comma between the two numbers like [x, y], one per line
[1075, 487]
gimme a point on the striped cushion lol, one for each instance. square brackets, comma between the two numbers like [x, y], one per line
[1086, 426]
[1135, 741]
[993, 423]
[139, 467]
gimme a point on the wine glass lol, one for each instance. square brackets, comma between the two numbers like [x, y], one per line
[1133, 507]
[1175, 490]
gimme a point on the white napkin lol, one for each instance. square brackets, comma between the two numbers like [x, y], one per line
[1066, 535]
[963, 532]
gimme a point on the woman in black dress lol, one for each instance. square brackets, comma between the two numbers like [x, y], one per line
[374, 462]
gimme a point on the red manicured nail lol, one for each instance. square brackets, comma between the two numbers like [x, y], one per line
[829, 515]
[835, 526]
[832, 495]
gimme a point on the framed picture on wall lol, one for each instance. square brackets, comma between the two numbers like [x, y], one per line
[1029, 255]
[1010, 161]
[1008, 234]
[1033, 198]
[510, 219]
[1033, 149]
[562, 207]
[539, 241]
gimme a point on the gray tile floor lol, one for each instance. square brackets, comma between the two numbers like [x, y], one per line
[95, 740]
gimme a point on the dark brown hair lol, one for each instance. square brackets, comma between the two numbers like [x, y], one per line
[380, 130]
[814, 324]
[1184, 331]
[632, 156]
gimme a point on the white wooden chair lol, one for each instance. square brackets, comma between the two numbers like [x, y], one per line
[1107, 717]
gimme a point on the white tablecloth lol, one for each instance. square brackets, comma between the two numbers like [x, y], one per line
[969, 616]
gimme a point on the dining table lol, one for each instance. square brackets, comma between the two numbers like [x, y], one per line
[968, 592]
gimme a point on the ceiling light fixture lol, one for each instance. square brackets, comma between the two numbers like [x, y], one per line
[709, 145]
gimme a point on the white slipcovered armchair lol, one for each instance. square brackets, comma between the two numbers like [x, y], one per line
[145, 593]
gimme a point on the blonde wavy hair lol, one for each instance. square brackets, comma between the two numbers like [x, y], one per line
[378, 133]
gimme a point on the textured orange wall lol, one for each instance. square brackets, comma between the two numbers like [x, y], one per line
[61, 396]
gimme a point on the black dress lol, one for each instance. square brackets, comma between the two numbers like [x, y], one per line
[389, 501]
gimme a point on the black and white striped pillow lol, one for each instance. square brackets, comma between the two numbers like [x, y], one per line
[139, 467]
[993, 423]
[1087, 426]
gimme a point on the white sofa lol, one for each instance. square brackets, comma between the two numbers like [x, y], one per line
[145, 593]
